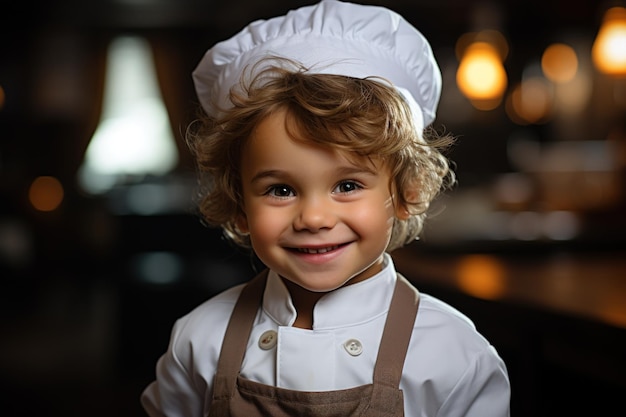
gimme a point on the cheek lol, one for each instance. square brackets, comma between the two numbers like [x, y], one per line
[265, 225]
[372, 219]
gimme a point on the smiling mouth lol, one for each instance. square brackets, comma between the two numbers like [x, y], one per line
[317, 250]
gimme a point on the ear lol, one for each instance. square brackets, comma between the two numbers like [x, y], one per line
[402, 209]
[402, 212]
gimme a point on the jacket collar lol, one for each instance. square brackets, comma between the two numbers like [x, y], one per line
[346, 306]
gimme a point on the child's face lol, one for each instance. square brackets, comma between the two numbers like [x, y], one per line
[313, 216]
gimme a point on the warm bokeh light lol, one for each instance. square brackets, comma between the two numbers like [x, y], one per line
[481, 76]
[559, 63]
[46, 193]
[571, 98]
[482, 276]
[609, 48]
[530, 102]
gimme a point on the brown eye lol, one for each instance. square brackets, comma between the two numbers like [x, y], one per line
[280, 191]
[347, 187]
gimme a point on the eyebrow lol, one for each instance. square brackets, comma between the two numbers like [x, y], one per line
[344, 171]
[267, 174]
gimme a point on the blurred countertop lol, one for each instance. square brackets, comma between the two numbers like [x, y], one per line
[589, 286]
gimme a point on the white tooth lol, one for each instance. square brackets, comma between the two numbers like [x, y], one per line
[318, 251]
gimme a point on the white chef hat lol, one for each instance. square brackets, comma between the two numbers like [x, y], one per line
[330, 37]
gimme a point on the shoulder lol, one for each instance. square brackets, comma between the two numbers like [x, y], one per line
[215, 309]
[201, 331]
[450, 364]
[206, 323]
[443, 318]
[443, 332]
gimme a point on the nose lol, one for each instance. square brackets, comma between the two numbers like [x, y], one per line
[315, 214]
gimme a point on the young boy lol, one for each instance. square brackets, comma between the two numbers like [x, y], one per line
[315, 158]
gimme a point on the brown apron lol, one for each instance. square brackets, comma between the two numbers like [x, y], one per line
[235, 396]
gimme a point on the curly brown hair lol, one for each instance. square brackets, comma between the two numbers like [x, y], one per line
[361, 117]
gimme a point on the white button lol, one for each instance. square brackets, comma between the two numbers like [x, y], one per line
[268, 340]
[353, 347]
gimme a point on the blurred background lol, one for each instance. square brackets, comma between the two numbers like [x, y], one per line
[101, 249]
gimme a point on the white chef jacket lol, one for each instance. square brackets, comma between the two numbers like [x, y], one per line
[450, 369]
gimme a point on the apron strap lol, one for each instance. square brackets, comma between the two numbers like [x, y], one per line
[391, 353]
[240, 324]
[397, 333]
